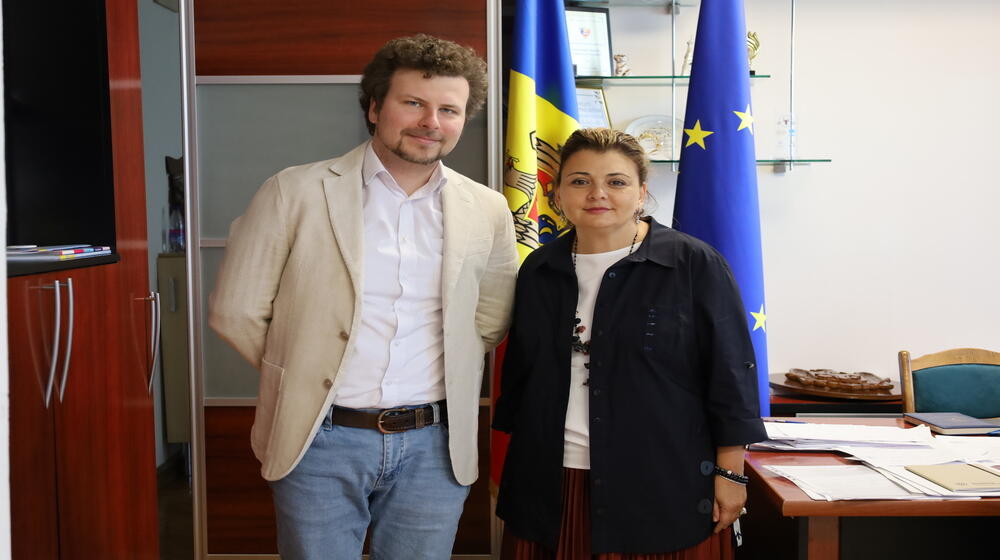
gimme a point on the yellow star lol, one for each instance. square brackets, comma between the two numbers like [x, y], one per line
[746, 119]
[760, 318]
[696, 135]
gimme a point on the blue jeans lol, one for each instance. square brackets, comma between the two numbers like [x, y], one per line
[400, 484]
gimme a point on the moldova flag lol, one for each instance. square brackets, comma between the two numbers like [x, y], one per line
[717, 186]
[541, 114]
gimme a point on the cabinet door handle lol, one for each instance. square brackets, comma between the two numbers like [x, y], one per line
[172, 282]
[69, 339]
[55, 343]
[154, 341]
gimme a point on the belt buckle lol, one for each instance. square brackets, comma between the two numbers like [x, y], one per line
[381, 417]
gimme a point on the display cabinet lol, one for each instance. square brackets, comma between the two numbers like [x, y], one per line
[672, 86]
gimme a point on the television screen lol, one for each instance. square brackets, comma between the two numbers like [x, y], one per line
[60, 182]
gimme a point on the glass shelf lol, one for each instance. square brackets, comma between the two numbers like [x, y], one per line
[634, 3]
[641, 80]
[792, 161]
[796, 161]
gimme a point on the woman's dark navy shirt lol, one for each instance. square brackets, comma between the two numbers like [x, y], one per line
[672, 377]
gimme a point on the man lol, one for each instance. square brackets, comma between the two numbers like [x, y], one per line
[367, 289]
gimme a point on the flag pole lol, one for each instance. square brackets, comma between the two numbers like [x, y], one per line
[494, 143]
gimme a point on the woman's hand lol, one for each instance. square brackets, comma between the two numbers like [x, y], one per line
[729, 500]
[729, 496]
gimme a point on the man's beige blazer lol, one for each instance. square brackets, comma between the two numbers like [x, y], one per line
[287, 299]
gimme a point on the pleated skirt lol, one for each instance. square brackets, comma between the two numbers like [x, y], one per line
[574, 535]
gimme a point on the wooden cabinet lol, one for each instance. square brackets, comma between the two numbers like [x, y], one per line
[171, 272]
[33, 503]
[82, 458]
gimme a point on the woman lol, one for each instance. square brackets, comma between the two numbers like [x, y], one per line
[628, 384]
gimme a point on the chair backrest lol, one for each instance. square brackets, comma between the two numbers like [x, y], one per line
[965, 380]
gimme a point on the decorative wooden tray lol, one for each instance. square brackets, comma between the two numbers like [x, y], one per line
[785, 385]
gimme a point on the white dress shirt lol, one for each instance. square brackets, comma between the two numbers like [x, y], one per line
[398, 356]
[590, 269]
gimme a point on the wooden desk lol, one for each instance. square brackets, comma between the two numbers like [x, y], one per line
[790, 405]
[779, 512]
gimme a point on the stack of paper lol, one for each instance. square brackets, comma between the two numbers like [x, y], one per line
[830, 437]
[972, 450]
[885, 453]
[844, 482]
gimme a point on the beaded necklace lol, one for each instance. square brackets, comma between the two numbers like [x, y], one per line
[578, 344]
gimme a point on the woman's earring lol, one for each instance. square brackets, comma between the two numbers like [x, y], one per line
[638, 214]
[560, 213]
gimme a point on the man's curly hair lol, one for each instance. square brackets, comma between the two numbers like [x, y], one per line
[432, 56]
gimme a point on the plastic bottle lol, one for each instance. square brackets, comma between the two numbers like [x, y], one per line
[175, 232]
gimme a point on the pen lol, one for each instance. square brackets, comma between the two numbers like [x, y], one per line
[783, 421]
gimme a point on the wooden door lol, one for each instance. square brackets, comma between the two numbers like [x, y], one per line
[31, 320]
[83, 416]
[130, 451]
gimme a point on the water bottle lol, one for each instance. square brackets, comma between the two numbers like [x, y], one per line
[175, 231]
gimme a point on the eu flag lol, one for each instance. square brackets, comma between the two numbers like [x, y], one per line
[717, 186]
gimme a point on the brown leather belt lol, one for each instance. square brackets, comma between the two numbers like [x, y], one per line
[391, 420]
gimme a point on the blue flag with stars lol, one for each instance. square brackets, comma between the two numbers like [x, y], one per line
[717, 186]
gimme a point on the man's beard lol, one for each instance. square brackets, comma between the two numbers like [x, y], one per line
[412, 158]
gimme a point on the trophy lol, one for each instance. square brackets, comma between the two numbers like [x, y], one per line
[688, 58]
[753, 45]
[622, 67]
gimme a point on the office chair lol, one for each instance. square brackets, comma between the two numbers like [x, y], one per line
[965, 380]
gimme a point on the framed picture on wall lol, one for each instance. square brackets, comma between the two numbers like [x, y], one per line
[589, 32]
[593, 108]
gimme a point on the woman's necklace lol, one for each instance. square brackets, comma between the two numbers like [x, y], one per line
[578, 344]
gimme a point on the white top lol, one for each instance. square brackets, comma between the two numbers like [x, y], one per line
[398, 356]
[590, 270]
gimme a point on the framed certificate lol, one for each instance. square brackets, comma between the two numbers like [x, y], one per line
[589, 31]
[593, 108]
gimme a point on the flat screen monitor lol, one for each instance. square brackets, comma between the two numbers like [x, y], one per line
[60, 180]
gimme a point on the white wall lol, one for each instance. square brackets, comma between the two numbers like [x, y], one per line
[159, 35]
[895, 244]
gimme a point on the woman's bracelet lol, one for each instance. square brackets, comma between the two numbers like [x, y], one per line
[731, 476]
